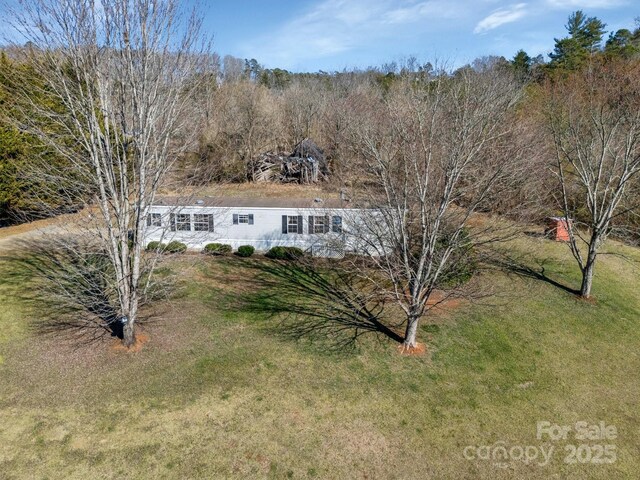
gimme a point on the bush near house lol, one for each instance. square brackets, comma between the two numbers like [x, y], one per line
[156, 246]
[245, 251]
[175, 247]
[217, 249]
[284, 253]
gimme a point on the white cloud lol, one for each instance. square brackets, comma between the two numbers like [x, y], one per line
[421, 10]
[500, 17]
[335, 26]
[586, 3]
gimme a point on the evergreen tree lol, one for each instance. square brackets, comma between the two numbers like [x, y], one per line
[24, 196]
[585, 39]
[521, 64]
[623, 43]
[252, 69]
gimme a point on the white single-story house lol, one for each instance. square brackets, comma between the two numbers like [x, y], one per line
[320, 227]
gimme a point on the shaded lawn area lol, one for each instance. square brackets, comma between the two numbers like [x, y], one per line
[220, 392]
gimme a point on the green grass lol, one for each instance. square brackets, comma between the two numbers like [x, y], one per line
[221, 392]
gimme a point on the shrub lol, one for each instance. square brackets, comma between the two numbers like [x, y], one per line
[156, 247]
[284, 253]
[217, 249]
[245, 251]
[175, 247]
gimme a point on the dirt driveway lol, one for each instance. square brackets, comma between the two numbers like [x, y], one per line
[11, 236]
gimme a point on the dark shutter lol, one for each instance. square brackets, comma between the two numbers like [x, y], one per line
[336, 224]
[148, 219]
[235, 219]
[326, 224]
[210, 222]
[310, 223]
[284, 224]
[300, 224]
[251, 219]
[172, 219]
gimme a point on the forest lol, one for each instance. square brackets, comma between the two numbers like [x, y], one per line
[245, 110]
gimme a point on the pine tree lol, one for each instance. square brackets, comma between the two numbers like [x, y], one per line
[584, 40]
[521, 64]
[623, 43]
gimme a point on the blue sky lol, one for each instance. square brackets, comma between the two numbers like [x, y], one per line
[331, 35]
[312, 35]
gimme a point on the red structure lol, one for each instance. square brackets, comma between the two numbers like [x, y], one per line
[557, 229]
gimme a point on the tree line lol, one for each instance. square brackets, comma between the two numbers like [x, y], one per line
[252, 109]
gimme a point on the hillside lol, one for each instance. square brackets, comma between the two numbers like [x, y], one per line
[221, 391]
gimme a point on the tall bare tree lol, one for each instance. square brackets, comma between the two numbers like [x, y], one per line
[593, 117]
[301, 107]
[431, 152]
[120, 74]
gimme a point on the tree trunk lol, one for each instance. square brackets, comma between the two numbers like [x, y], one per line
[128, 333]
[410, 334]
[587, 271]
[587, 279]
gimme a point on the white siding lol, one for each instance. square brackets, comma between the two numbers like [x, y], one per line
[265, 232]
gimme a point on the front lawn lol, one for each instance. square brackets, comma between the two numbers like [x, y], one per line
[222, 391]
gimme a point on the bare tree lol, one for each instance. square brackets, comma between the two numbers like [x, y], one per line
[339, 103]
[301, 107]
[119, 74]
[244, 124]
[593, 117]
[233, 68]
[252, 117]
[431, 152]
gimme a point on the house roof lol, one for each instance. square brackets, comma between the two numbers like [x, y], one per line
[250, 202]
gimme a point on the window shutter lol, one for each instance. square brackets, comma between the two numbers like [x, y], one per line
[300, 224]
[210, 222]
[148, 219]
[336, 224]
[326, 224]
[172, 219]
[251, 219]
[310, 223]
[284, 224]
[235, 219]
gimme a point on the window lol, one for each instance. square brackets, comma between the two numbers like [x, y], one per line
[183, 222]
[318, 223]
[243, 218]
[292, 224]
[154, 220]
[202, 222]
[336, 224]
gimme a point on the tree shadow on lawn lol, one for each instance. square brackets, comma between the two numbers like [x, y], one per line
[520, 266]
[320, 303]
[67, 286]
